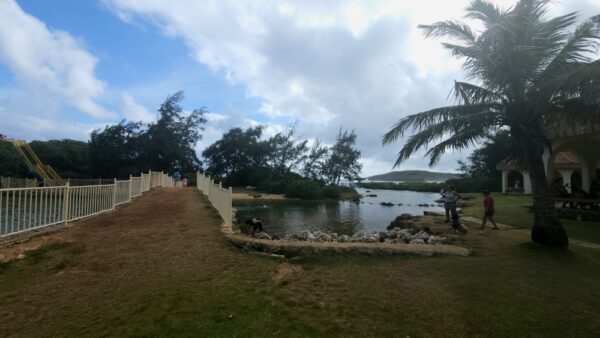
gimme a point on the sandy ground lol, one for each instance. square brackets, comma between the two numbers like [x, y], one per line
[244, 196]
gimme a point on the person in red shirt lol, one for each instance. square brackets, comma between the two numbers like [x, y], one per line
[488, 209]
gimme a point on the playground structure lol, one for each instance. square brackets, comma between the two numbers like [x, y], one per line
[26, 209]
[34, 164]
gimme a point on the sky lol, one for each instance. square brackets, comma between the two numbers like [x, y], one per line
[68, 67]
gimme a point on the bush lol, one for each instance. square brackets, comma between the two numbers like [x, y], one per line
[304, 189]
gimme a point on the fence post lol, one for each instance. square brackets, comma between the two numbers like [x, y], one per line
[230, 209]
[130, 181]
[114, 204]
[66, 203]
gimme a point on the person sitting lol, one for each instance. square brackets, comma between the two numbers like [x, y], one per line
[256, 223]
[594, 190]
[558, 189]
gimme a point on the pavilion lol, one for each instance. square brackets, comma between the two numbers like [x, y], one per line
[574, 155]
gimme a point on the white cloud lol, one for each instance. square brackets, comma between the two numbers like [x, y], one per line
[50, 64]
[134, 111]
[358, 64]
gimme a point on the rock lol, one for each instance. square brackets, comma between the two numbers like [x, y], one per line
[371, 195]
[387, 204]
[435, 240]
[344, 239]
[250, 187]
[417, 241]
[382, 236]
[262, 235]
[368, 191]
[304, 235]
[421, 235]
[400, 204]
[356, 200]
[402, 221]
[322, 237]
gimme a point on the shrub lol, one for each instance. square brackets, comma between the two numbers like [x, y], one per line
[305, 189]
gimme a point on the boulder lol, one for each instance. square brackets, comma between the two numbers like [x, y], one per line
[322, 236]
[437, 240]
[387, 204]
[417, 241]
[262, 235]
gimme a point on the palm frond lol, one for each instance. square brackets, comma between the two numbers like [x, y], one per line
[579, 47]
[485, 11]
[450, 28]
[432, 117]
[468, 93]
[477, 125]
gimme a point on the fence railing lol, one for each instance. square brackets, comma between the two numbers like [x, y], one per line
[9, 182]
[28, 208]
[219, 197]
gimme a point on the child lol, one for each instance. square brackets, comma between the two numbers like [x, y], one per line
[488, 209]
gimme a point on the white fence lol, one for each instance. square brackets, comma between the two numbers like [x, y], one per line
[24, 209]
[9, 182]
[218, 196]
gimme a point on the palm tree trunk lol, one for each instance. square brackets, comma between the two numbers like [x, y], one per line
[547, 229]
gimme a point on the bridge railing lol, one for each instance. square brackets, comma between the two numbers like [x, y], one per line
[219, 197]
[28, 208]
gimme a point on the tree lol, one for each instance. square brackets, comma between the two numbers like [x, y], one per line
[285, 153]
[314, 163]
[174, 136]
[130, 147]
[70, 158]
[12, 164]
[483, 161]
[237, 154]
[526, 71]
[343, 161]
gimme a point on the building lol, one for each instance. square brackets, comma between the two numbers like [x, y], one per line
[574, 155]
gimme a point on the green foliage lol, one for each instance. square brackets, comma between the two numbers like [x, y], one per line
[243, 158]
[11, 164]
[467, 184]
[483, 161]
[343, 161]
[527, 71]
[130, 147]
[69, 158]
[237, 155]
[304, 189]
[412, 186]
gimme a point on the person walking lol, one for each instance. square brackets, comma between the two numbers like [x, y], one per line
[488, 209]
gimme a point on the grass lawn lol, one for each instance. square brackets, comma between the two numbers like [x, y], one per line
[515, 210]
[159, 267]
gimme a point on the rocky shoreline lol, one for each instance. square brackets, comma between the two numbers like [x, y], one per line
[405, 229]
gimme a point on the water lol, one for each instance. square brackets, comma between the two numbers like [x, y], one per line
[343, 217]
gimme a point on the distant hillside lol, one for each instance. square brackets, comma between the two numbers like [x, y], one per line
[413, 176]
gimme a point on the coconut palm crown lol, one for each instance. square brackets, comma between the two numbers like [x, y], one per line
[524, 70]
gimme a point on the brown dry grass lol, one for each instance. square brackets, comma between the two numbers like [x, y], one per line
[160, 267]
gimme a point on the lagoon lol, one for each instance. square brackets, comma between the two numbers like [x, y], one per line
[343, 217]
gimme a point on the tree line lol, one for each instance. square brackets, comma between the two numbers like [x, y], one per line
[245, 157]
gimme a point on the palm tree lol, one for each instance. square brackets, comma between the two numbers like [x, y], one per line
[525, 70]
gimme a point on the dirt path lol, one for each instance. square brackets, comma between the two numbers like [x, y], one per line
[160, 267]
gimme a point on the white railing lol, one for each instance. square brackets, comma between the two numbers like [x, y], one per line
[9, 182]
[122, 192]
[24, 209]
[219, 197]
[136, 186]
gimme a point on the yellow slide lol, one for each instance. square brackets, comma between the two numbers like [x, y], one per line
[33, 162]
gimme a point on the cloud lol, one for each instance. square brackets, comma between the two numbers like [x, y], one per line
[48, 64]
[134, 111]
[358, 64]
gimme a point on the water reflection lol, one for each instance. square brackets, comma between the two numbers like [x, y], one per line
[342, 217]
